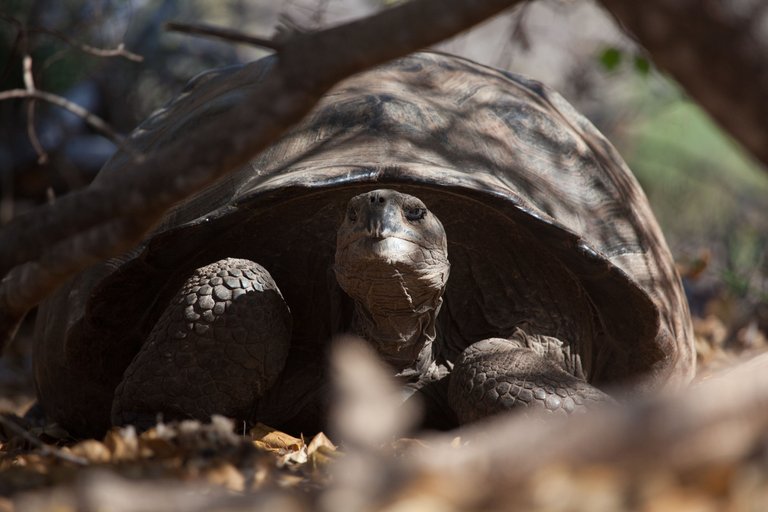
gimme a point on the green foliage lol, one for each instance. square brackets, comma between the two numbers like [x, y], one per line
[706, 193]
[642, 65]
[610, 58]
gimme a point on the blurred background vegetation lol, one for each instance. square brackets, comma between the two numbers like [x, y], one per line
[710, 197]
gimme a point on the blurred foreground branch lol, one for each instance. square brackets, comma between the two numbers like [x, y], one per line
[703, 449]
[226, 34]
[308, 65]
[709, 436]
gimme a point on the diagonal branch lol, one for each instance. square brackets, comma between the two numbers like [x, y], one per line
[308, 65]
[93, 120]
[118, 51]
[226, 34]
[717, 50]
[45, 450]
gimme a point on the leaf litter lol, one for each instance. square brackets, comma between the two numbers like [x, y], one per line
[196, 466]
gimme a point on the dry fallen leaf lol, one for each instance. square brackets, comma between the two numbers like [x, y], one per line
[122, 443]
[292, 450]
[91, 450]
[320, 441]
[225, 475]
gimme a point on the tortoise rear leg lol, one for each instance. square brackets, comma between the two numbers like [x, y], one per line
[216, 349]
[495, 375]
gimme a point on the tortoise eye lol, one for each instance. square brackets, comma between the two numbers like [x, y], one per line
[414, 214]
[352, 214]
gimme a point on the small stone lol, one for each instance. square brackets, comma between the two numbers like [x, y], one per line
[539, 393]
[235, 272]
[205, 290]
[504, 387]
[208, 316]
[219, 308]
[222, 273]
[569, 405]
[216, 281]
[190, 299]
[237, 293]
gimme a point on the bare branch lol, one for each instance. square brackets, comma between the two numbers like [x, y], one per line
[93, 120]
[222, 33]
[25, 283]
[309, 64]
[119, 51]
[29, 82]
[42, 156]
[45, 449]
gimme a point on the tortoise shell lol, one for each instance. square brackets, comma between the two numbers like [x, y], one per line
[546, 225]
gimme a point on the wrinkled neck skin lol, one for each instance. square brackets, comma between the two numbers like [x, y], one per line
[395, 311]
[392, 260]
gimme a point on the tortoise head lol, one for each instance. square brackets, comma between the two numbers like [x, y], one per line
[392, 259]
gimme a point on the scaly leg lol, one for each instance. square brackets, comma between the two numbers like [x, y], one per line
[496, 374]
[216, 349]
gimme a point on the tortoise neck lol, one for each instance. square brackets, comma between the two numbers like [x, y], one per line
[402, 339]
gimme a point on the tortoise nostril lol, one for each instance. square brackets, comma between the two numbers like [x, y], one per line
[376, 197]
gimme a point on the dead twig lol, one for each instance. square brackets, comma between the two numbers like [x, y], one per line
[226, 34]
[29, 84]
[119, 51]
[45, 450]
[32, 93]
[93, 120]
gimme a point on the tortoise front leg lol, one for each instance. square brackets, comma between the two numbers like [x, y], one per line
[219, 345]
[496, 374]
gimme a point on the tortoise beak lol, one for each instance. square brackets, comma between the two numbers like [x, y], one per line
[381, 215]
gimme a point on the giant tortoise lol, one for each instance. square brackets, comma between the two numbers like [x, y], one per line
[561, 285]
